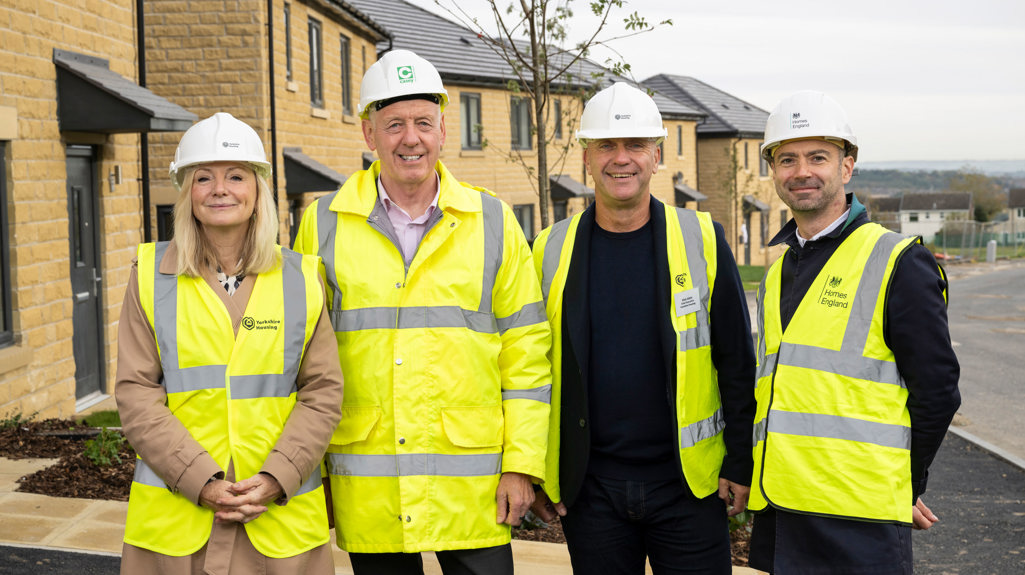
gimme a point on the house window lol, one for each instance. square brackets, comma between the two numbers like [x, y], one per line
[346, 75]
[165, 222]
[469, 113]
[1021, 212]
[747, 145]
[288, 42]
[928, 215]
[763, 166]
[525, 215]
[316, 65]
[559, 211]
[679, 140]
[783, 218]
[662, 153]
[913, 217]
[763, 219]
[558, 119]
[519, 119]
[6, 325]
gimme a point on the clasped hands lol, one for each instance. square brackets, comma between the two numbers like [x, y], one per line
[240, 502]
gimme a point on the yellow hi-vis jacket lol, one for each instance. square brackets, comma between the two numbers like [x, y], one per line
[233, 394]
[832, 431]
[690, 239]
[446, 381]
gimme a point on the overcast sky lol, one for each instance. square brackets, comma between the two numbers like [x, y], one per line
[920, 80]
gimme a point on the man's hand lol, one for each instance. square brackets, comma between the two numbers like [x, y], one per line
[734, 495]
[514, 495]
[545, 509]
[921, 516]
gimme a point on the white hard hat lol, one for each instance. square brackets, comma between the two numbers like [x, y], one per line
[399, 75]
[620, 111]
[219, 138]
[808, 114]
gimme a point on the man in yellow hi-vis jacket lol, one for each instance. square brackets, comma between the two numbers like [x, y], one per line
[442, 339]
[857, 380]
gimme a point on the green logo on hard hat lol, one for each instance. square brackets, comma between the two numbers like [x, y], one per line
[405, 74]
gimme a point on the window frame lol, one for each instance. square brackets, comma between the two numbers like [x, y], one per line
[468, 130]
[527, 224]
[6, 319]
[345, 52]
[679, 140]
[557, 109]
[316, 40]
[165, 222]
[518, 106]
[763, 166]
[289, 73]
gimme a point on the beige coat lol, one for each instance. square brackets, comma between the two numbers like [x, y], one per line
[151, 428]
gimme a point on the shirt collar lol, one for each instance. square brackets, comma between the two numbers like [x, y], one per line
[391, 207]
[836, 223]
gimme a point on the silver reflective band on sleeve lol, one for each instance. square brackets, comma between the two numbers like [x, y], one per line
[702, 430]
[494, 239]
[145, 475]
[416, 317]
[542, 394]
[312, 483]
[836, 427]
[550, 259]
[359, 465]
[530, 314]
[847, 364]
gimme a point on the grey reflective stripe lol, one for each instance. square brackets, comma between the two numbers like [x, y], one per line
[702, 430]
[193, 378]
[530, 314]
[542, 394]
[293, 288]
[693, 241]
[759, 432]
[416, 318]
[493, 241]
[312, 483]
[836, 427]
[766, 365]
[327, 225]
[845, 363]
[145, 475]
[262, 385]
[550, 259]
[357, 465]
[869, 287]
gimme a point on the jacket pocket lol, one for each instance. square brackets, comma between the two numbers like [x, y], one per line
[356, 424]
[473, 426]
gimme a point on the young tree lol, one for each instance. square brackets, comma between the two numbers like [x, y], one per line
[987, 196]
[530, 35]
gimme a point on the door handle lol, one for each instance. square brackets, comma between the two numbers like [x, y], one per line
[96, 280]
[81, 296]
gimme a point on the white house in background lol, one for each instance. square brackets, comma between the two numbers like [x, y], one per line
[1012, 229]
[923, 214]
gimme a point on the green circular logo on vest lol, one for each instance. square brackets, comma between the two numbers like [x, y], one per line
[248, 323]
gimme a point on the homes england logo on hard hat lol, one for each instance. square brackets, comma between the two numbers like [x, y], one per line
[405, 74]
[796, 122]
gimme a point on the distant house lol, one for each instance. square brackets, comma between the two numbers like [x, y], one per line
[884, 210]
[1015, 225]
[923, 214]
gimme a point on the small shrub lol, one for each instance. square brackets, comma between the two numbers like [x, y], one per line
[104, 449]
[15, 420]
[741, 520]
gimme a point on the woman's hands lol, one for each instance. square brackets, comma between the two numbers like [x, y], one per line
[240, 502]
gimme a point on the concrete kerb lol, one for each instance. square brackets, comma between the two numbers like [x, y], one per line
[993, 450]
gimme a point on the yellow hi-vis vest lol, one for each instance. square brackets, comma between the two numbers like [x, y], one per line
[446, 383]
[832, 429]
[233, 394]
[690, 245]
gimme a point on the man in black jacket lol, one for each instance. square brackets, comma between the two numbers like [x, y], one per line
[857, 380]
[653, 364]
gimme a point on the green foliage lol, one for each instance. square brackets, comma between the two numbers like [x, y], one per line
[104, 449]
[987, 196]
[15, 420]
[751, 274]
[108, 418]
[741, 520]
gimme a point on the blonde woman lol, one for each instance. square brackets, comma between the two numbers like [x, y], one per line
[228, 380]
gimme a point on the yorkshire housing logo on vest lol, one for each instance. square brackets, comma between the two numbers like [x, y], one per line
[405, 74]
[250, 323]
[832, 295]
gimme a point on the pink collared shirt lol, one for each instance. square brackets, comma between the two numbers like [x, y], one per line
[408, 231]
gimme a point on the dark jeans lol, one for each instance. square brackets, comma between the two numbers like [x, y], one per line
[614, 524]
[486, 561]
[795, 544]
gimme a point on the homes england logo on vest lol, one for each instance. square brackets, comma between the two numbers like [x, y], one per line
[249, 323]
[832, 296]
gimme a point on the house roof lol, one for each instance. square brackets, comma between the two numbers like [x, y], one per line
[727, 114]
[926, 201]
[463, 58]
[1016, 198]
[886, 203]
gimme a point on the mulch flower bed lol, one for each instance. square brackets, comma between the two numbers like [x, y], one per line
[74, 475]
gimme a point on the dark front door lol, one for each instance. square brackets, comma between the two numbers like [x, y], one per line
[85, 271]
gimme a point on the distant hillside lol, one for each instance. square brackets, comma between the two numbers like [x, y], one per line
[892, 181]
